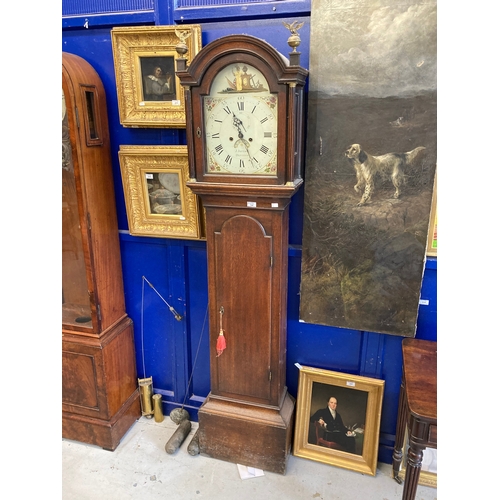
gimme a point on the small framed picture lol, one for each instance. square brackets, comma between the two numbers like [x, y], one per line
[149, 93]
[338, 419]
[157, 199]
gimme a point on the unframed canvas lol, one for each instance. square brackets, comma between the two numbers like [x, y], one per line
[370, 163]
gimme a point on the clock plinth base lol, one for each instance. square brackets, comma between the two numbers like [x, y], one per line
[104, 433]
[247, 434]
[99, 386]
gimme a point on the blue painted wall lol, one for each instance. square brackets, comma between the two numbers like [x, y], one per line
[175, 353]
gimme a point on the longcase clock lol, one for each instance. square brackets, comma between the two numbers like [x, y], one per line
[244, 110]
[99, 381]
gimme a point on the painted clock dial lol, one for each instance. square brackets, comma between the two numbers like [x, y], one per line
[241, 123]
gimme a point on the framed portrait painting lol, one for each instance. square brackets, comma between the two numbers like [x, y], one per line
[158, 202]
[149, 93]
[338, 419]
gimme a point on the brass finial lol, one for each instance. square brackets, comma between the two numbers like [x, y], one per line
[294, 39]
[182, 47]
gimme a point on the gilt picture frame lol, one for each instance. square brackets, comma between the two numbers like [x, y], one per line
[149, 93]
[158, 202]
[359, 405]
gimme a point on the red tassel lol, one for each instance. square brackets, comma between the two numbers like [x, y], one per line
[221, 343]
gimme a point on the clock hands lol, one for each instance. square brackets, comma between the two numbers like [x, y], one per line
[247, 146]
[238, 123]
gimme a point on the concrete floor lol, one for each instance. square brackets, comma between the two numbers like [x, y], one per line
[141, 469]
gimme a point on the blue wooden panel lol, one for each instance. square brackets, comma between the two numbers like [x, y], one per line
[198, 348]
[211, 3]
[372, 355]
[81, 7]
[153, 322]
[319, 346]
[189, 11]
[91, 21]
[427, 312]
[90, 14]
[175, 275]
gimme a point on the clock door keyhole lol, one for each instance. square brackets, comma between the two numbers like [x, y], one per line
[198, 132]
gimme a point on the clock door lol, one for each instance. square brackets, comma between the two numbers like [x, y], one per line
[243, 290]
[76, 306]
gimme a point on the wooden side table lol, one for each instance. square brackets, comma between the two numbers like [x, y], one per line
[417, 410]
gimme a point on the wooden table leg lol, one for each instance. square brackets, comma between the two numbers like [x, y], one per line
[397, 454]
[412, 474]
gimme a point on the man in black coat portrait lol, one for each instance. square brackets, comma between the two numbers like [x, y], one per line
[335, 430]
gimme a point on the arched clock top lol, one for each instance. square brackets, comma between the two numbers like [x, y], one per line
[214, 56]
[244, 115]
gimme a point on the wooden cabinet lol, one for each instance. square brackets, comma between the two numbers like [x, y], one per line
[99, 388]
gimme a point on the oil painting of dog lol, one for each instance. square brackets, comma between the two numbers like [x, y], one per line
[367, 166]
[371, 125]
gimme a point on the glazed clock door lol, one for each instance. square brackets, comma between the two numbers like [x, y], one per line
[243, 291]
[76, 308]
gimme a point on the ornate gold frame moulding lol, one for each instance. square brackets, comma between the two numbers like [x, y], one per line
[158, 202]
[137, 52]
[358, 398]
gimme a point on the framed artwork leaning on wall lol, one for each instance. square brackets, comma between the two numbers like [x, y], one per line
[338, 419]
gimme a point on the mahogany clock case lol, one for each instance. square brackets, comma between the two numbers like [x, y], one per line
[247, 417]
[99, 391]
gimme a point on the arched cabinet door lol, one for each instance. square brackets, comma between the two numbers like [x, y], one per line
[244, 268]
[99, 381]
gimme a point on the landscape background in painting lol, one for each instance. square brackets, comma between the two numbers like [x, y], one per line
[362, 267]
